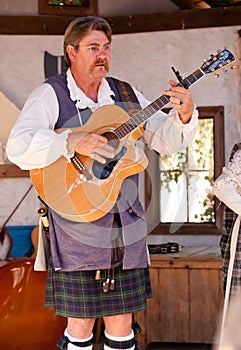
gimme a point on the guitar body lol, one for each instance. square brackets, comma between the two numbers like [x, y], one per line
[85, 198]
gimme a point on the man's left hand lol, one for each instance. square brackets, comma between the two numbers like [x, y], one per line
[181, 100]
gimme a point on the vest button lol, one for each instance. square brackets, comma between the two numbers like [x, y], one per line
[130, 211]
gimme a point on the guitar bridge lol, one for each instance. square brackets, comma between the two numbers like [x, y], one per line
[80, 167]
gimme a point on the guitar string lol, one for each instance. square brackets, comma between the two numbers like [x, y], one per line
[138, 118]
[141, 116]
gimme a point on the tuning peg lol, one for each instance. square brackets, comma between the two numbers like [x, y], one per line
[216, 75]
[232, 67]
[214, 58]
[205, 60]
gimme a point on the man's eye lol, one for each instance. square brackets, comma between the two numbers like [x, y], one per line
[107, 48]
[93, 48]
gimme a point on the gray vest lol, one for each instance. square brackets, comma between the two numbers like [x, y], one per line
[87, 246]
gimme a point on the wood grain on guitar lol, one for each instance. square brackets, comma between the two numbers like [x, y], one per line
[84, 190]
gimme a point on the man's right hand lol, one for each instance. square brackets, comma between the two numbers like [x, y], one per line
[89, 144]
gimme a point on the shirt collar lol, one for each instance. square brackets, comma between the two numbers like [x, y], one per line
[82, 101]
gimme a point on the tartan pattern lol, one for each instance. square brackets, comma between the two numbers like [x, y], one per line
[136, 328]
[63, 343]
[78, 294]
[113, 344]
[229, 218]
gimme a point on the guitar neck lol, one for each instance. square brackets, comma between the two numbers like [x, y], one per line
[143, 115]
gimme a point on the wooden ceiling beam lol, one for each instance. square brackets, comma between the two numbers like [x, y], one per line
[191, 4]
[183, 19]
[223, 3]
[201, 4]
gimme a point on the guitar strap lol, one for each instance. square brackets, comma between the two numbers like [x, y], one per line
[125, 95]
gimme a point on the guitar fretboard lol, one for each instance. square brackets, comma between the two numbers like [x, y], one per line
[141, 117]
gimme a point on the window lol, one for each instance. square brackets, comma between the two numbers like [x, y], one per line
[179, 187]
[68, 7]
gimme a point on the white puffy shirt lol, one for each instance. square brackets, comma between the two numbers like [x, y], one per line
[33, 134]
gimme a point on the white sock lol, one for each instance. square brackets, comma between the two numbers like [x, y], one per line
[78, 340]
[118, 341]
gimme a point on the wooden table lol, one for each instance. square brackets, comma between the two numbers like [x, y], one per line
[187, 297]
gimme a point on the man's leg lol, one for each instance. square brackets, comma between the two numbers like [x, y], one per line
[119, 333]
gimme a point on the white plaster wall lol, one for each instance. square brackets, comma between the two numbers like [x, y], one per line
[11, 193]
[22, 63]
[144, 59]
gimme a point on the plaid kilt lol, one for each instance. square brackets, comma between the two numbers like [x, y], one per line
[78, 294]
[229, 218]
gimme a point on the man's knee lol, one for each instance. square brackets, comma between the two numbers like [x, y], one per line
[80, 327]
[119, 325]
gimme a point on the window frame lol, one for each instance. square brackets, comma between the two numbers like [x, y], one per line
[152, 182]
[90, 10]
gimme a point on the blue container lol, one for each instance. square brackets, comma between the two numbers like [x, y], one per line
[22, 243]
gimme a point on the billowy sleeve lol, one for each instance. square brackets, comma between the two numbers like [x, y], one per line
[227, 187]
[32, 142]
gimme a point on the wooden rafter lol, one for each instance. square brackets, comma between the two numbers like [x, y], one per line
[201, 4]
[191, 4]
[186, 19]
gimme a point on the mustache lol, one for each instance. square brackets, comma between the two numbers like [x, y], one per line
[101, 61]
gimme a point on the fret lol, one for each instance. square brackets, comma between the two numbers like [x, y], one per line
[142, 116]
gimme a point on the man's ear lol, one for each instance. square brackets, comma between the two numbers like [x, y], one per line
[71, 52]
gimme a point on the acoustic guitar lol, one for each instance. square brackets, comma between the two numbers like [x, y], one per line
[84, 190]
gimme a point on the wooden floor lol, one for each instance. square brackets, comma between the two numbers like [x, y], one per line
[167, 346]
[179, 346]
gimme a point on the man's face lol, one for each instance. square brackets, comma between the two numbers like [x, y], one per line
[93, 55]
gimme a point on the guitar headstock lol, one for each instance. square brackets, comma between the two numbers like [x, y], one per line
[218, 62]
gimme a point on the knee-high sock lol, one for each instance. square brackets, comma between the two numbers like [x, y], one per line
[77, 344]
[120, 343]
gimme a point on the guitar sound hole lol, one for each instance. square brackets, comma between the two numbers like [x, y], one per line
[103, 171]
[113, 140]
